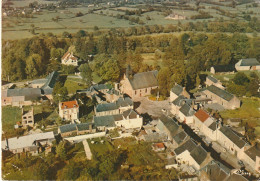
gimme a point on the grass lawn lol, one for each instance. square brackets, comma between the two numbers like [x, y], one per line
[72, 86]
[249, 112]
[99, 148]
[10, 115]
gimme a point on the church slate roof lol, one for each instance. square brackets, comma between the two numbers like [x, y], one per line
[220, 92]
[144, 80]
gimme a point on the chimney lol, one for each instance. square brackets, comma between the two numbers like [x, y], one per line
[90, 127]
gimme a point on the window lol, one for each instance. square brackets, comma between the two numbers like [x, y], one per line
[135, 92]
[29, 116]
[24, 117]
[146, 90]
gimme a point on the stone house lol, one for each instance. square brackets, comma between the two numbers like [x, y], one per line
[69, 59]
[230, 140]
[206, 124]
[27, 118]
[29, 143]
[76, 129]
[247, 64]
[252, 157]
[140, 84]
[69, 110]
[222, 69]
[117, 107]
[178, 90]
[127, 120]
[180, 138]
[21, 97]
[169, 126]
[222, 97]
[192, 154]
[178, 103]
[186, 113]
[210, 80]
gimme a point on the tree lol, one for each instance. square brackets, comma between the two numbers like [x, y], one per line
[33, 64]
[62, 150]
[40, 170]
[110, 70]
[198, 80]
[164, 80]
[72, 170]
[240, 79]
[86, 73]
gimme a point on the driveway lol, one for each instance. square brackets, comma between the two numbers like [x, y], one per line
[153, 108]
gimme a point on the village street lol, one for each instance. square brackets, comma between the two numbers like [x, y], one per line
[153, 108]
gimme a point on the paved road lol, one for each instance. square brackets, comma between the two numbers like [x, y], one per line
[153, 108]
[87, 149]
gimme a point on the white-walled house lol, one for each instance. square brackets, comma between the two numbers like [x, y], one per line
[192, 154]
[186, 113]
[206, 124]
[69, 59]
[252, 157]
[117, 107]
[69, 110]
[127, 120]
[247, 64]
[231, 141]
[178, 90]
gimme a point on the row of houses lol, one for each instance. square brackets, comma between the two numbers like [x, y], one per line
[39, 90]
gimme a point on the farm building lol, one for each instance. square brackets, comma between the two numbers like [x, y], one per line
[222, 69]
[247, 64]
[69, 59]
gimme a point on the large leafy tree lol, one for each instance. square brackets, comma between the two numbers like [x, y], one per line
[86, 73]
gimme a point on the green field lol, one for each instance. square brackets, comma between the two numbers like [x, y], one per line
[249, 112]
[18, 27]
[10, 116]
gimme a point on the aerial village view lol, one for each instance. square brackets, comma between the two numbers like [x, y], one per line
[130, 90]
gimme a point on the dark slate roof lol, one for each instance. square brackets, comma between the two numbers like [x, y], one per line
[68, 128]
[124, 102]
[216, 170]
[179, 138]
[144, 80]
[170, 124]
[121, 102]
[224, 68]
[177, 89]
[249, 62]
[28, 93]
[220, 92]
[187, 110]
[100, 87]
[51, 80]
[179, 100]
[188, 145]
[131, 113]
[253, 152]
[213, 79]
[106, 107]
[198, 154]
[107, 121]
[230, 134]
[213, 126]
[83, 126]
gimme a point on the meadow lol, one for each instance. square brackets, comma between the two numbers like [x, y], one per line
[18, 27]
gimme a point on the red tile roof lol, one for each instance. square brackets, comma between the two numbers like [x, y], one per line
[202, 115]
[66, 55]
[69, 104]
[158, 145]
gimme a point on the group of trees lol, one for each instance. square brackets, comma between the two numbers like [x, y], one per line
[242, 84]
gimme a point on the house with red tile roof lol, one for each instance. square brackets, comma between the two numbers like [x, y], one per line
[206, 124]
[158, 147]
[69, 110]
[69, 59]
